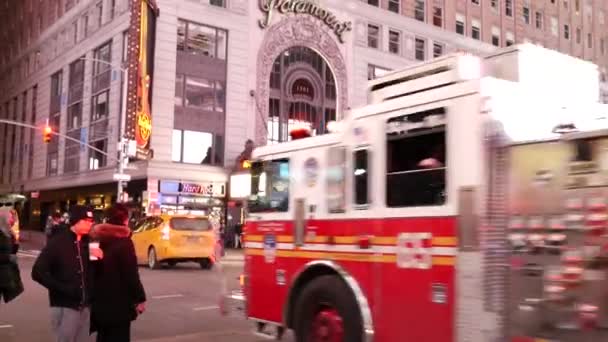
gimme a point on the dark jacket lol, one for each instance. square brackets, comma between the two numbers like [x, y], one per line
[118, 288]
[10, 278]
[63, 267]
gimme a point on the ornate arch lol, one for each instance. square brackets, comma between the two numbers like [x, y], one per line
[298, 30]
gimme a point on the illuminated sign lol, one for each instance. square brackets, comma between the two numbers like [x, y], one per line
[309, 7]
[141, 67]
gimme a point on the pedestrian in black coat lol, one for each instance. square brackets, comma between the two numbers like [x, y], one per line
[10, 277]
[118, 295]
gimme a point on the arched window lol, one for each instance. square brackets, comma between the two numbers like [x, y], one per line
[302, 91]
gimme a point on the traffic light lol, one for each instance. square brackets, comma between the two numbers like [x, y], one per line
[246, 164]
[47, 134]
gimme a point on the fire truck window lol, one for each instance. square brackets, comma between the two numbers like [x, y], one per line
[416, 159]
[361, 176]
[336, 179]
[583, 150]
[269, 186]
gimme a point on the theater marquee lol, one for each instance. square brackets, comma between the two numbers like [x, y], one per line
[310, 7]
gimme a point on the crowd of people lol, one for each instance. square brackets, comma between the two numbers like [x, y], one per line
[90, 272]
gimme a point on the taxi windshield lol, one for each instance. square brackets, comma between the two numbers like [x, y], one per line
[190, 223]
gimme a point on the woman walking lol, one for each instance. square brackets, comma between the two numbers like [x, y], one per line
[10, 277]
[118, 294]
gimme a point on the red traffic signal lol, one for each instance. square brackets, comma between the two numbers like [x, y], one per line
[47, 134]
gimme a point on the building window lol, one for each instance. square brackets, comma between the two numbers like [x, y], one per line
[589, 40]
[494, 4]
[475, 2]
[201, 93]
[96, 158]
[460, 29]
[420, 53]
[394, 5]
[373, 2]
[509, 8]
[99, 14]
[125, 45]
[577, 5]
[509, 39]
[415, 161]
[475, 29]
[495, 36]
[374, 71]
[419, 11]
[437, 50]
[566, 31]
[101, 67]
[112, 9]
[296, 102]
[218, 3]
[526, 15]
[373, 36]
[554, 26]
[30, 170]
[194, 147]
[601, 18]
[578, 35]
[394, 41]
[100, 107]
[52, 164]
[75, 32]
[437, 16]
[201, 40]
[603, 46]
[566, 4]
[85, 26]
[539, 20]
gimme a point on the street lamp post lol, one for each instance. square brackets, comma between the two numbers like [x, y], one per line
[122, 143]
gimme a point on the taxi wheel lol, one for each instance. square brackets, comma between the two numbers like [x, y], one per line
[326, 310]
[152, 260]
[206, 264]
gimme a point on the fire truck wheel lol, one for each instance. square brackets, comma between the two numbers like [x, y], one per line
[327, 310]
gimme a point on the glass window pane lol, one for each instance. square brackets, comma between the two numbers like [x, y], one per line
[199, 93]
[221, 44]
[220, 96]
[201, 40]
[176, 146]
[197, 146]
[181, 35]
[361, 172]
[179, 90]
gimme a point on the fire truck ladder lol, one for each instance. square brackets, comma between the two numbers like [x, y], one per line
[440, 72]
[496, 251]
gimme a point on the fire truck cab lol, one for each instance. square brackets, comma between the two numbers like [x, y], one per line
[397, 226]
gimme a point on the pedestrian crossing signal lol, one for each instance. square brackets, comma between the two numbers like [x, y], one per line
[46, 134]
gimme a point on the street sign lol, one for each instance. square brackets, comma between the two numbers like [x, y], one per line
[121, 177]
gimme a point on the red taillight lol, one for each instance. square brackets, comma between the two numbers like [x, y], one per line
[166, 232]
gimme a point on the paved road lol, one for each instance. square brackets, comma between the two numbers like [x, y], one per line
[182, 306]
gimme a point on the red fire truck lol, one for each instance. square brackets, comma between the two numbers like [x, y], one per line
[456, 206]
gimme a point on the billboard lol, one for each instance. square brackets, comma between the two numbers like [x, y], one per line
[140, 56]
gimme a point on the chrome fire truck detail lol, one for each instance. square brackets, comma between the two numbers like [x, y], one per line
[460, 205]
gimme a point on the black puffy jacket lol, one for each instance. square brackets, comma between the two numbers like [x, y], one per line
[63, 267]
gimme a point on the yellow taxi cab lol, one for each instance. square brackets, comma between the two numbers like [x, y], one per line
[169, 239]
